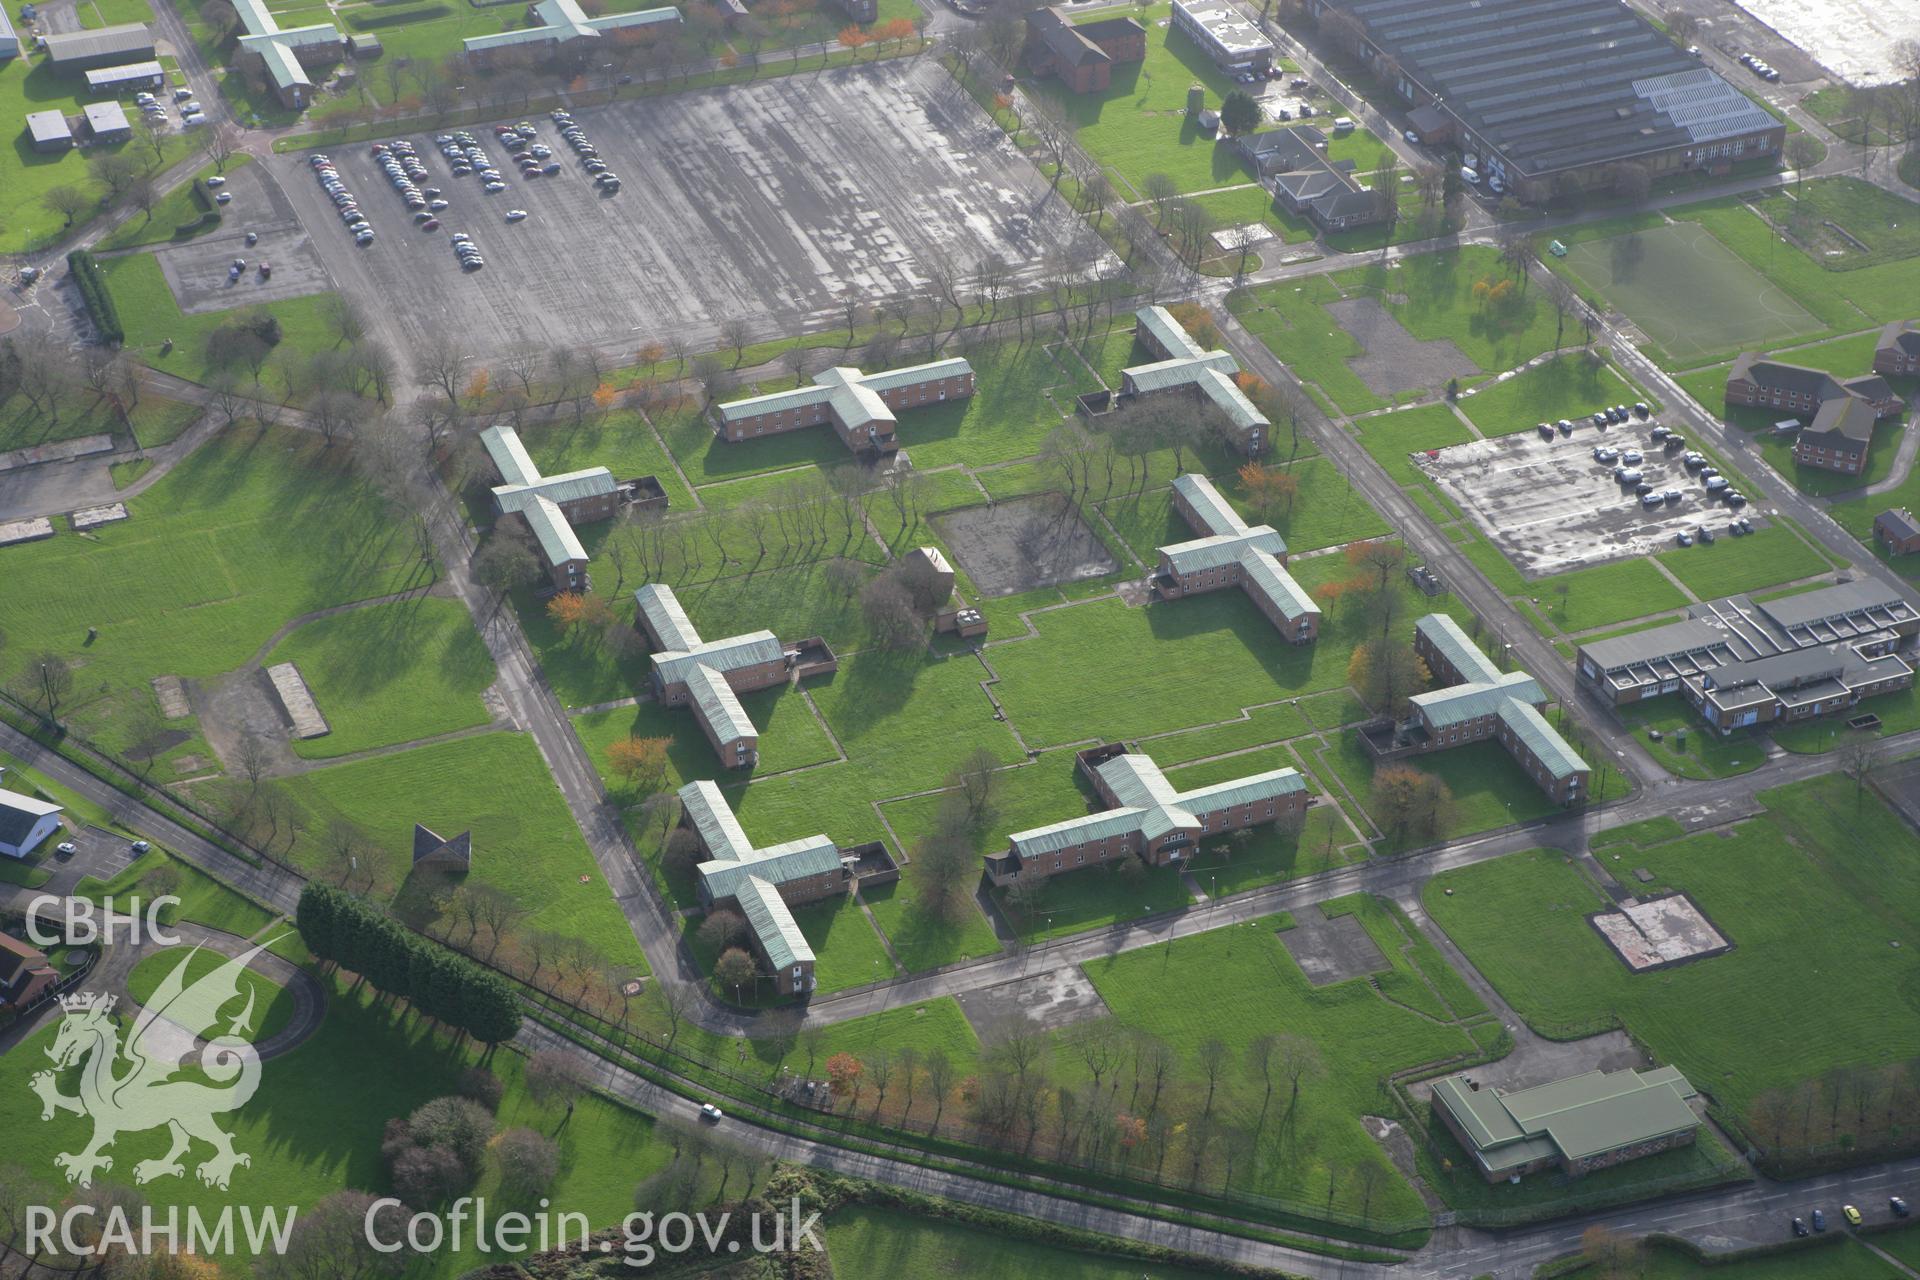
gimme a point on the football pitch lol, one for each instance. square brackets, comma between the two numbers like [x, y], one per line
[1689, 293]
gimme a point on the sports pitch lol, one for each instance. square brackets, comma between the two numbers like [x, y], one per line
[1689, 293]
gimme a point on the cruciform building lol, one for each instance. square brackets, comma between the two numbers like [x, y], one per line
[1480, 701]
[549, 506]
[1232, 553]
[763, 883]
[860, 406]
[1184, 366]
[563, 23]
[284, 55]
[1147, 817]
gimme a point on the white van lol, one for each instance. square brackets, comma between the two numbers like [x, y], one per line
[1343, 124]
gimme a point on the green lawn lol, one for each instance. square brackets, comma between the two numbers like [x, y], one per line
[151, 316]
[154, 420]
[1290, 319]
[1569, 386]
[273, 1006]
[1139, 126]
[622, 441]
[247, 533]
[1392, 437]
[390, 673]
[314, 1126]
[176, 209]
[495, 785]
[1327, 511]
[1766, 557]
[1489, 789]
[1877, 218]
[1686, 746]
[1810, 893]
[203, 900]
[1605, 594]
[29, 83]
[885, 1244]
[1241, 983]
[1433, 296]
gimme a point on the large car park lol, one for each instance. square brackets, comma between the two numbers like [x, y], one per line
[700, 242]
[1612, 483]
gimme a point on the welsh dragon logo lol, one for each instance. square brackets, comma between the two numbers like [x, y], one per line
[146, 1095]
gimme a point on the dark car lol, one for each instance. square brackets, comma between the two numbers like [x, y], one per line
[1898, 1206]
[1799, 1226]
[1819, 1220]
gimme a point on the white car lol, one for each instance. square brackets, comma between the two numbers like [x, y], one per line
[1469, 176]
[1412, 137]
[711, 1113]
[65, 849]
[515, 215]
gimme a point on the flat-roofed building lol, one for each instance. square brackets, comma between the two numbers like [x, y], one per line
[564, 25]
[1081, 56]
[1577, 1125]
[1721, 656]
[101, 47]
[1232, 553]
[1552, 96]
[859, 406]
[129, 77]
[1229, 37]
[709, 675]
[47, 131]
[9, 38]
[107, 122]
[1183, 367]
[763, 883]
[1479, 701]
[1147, 817]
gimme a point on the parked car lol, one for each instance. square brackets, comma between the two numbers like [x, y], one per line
[711, 1114]
[1851, 1214]
[1470, 176]
[1800, 1226]
[65, 849]
[1683, 538]
[1704, 534]
[1819, 1220]
[141, 846]
[1898, 1206]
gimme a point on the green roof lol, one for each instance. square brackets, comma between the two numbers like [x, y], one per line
[1215, 512]
[773, 925]
[1444, 634]
[1542, 739]
[1580, 1116]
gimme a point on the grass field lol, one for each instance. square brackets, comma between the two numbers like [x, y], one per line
[390, 673]
[30, 83]
[1433, 296]
[1569, 386]
[273, 1005]
[154, 420]
[495, 785]
[1810, 893]
[1766, 557]
[174, 210]
[252, 530]
[314, 1126]
[1489, 789]
[1244, 984]
[203, 900]
[1689, 292]
[1289, 318]
[1605, 594]
[1392, 437]
[883, 1244]
[151, 316]
[1687, 747]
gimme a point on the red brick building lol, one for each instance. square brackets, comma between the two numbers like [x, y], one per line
[1082, 57]
[859, 406]
[1898, 354]
[549, 506]
[709, 674]
[26, 979]
[1233, 554]
[1146, 818]
[1897, 531]
[1840, 413]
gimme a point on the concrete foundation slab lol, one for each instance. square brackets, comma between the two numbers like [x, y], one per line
[94, 517]
[33, 530]
[297, 700]
[1331, 950]
[1656, 932]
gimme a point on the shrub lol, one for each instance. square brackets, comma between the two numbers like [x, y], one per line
[98, 298]
[529, 1162]
[482, 1086]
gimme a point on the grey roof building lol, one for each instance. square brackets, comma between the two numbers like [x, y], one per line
[102, 47]
[130, 75]
[9, 38]
[1539, 88]
[48, 131]
[1305, 182]
[107, 122]
[1742, 663]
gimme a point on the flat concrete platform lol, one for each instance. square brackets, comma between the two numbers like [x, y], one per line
[32, 530]
[1331, 950]
[199, 271]
[1658, 932]
[1023, 543]
[1051, 999]
[297, 700]
[94, 517]
[1550, 507]
[768, 203]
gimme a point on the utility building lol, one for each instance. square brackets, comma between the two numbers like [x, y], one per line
[1578, 1125]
